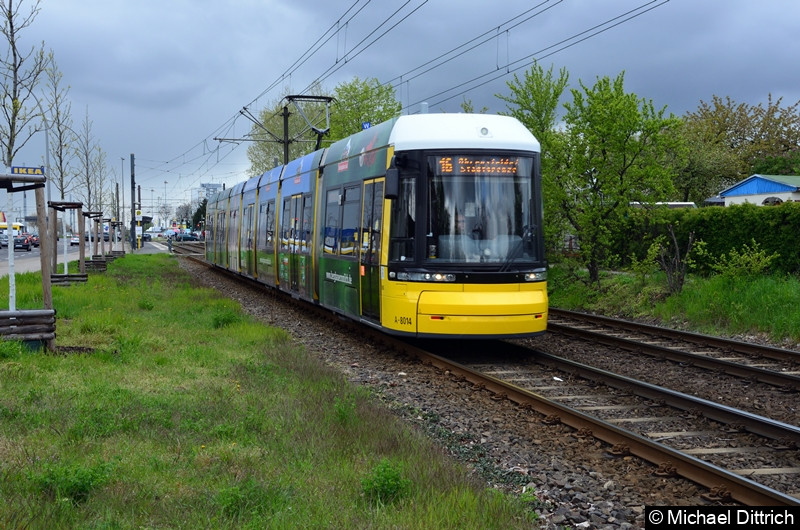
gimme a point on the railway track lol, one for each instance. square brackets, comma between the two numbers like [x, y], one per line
[190, 248]
[677, 433]
[756, 362]
[737, 457]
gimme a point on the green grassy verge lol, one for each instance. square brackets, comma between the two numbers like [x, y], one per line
[169, 408]
[765, 305]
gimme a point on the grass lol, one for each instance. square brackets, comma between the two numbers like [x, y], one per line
[721, 305]
[170, 408]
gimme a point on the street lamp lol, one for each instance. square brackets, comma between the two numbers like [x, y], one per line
[165, 204]
[122, 186]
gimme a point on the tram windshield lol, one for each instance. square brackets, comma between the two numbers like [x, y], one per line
[479, 210]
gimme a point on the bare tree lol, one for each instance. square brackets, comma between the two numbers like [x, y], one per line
[62, 137]
[184, 213]
[86, 153]
[164, 213]
[21, 73]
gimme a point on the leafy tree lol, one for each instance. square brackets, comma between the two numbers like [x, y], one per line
[358, 102]
[706, 166]
[752, 133]
[785, 164]
[617, 148]
[535, 98]
[469, 108]
[534, 101]
[21, 73]
[199, 214]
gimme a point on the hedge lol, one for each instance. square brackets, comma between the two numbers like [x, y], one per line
[776, 229]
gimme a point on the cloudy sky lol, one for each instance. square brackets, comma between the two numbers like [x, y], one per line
[163, 78]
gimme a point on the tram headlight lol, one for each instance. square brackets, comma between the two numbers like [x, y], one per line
[539, 275]
[424, 276]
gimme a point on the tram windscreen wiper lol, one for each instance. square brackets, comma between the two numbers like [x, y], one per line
[516, 250]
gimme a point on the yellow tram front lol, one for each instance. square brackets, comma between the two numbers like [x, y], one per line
[465, 252]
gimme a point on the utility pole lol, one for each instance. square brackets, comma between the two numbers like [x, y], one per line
[286, 140]
[133, 206]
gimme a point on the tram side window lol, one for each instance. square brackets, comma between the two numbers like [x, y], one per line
[332, 215]
[246, 235]
[351, 211]
[401, 233]
[287, 225]
[266, 238]
[208, 228]
[231, 236]
[307, 224]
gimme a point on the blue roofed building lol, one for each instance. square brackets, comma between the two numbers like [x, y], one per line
[763, 190]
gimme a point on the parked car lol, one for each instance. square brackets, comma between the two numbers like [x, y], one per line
[3, 240]
[74, 240]
[22, 242]
[146, 237]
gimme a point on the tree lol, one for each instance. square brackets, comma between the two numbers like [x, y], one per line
[785, 164]
[469, 108]
[62, 137]
[183, 213]
[616, 152]
[534, 101]
[535, 98]
[21, 73]
[358, 102]
[706, 166]
[751, 133]
[199, 215]
[91, 166]
[164, 213]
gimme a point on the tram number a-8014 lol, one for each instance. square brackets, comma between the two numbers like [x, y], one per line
[404, 321]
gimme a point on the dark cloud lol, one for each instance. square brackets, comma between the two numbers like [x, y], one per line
[161, 79]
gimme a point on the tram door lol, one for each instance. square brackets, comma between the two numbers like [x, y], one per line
[296, 242]
[370, 248]
[220, 241]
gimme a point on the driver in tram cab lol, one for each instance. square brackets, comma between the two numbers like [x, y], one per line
[464, 246]
[461, 224]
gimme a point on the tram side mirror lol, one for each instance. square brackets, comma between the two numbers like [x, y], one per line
[392, 186]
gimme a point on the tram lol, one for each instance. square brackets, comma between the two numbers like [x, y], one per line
[426, 226]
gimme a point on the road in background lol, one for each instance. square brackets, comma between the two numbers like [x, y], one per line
[25, 261]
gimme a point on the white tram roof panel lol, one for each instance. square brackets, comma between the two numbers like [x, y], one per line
[461, 131]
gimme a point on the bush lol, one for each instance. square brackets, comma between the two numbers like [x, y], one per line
[72, 482]
[385, 484]
[751, 261]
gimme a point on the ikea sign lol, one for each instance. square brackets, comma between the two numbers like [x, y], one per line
[27, 170]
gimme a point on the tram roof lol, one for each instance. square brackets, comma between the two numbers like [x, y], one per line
[461, 131]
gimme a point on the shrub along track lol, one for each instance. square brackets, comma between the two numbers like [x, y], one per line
[575, 478]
